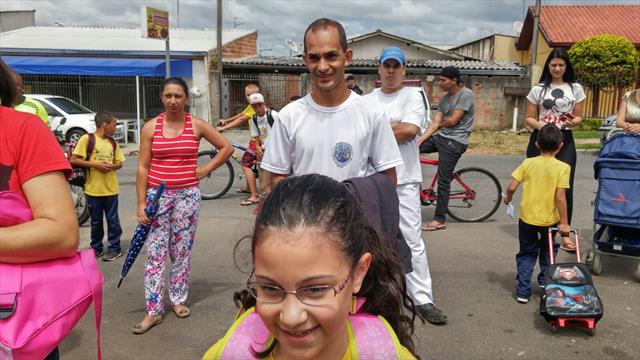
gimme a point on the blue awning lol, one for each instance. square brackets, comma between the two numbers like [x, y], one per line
[61, 65]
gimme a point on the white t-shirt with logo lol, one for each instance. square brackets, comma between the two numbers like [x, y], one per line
[406, 106]
[340, 142]
[263, 126]
[555, 101]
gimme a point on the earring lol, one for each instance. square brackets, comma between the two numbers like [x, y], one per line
[354, 305]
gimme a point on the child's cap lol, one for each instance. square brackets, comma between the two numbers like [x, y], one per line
[256, 98]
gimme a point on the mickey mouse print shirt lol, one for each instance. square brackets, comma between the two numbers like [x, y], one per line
[555, 101]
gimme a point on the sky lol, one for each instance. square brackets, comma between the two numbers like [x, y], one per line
[437, 23]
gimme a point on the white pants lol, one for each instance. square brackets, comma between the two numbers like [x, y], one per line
[419, 280]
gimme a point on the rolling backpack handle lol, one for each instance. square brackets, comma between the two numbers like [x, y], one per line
[550, 239]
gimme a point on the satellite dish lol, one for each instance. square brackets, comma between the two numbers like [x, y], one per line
[292, 46]
[195, 92]
[517, 26]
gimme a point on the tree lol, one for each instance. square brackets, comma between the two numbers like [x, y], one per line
[604, 60]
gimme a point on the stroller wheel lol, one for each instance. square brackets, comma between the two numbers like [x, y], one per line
[596, 268]
[588, 260]
[636, 275]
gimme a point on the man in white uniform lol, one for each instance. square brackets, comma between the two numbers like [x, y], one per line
[406, 111]
[332, 131]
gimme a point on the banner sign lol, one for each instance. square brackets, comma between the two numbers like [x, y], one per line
[155, 23]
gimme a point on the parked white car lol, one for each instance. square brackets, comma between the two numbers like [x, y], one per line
[79, 118]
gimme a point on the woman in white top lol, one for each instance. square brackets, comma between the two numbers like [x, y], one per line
[629, 112]
[557, 99]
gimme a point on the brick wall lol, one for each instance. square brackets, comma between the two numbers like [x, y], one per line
[493, 109]
[242, 47]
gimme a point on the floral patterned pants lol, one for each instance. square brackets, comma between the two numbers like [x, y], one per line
[172, 232]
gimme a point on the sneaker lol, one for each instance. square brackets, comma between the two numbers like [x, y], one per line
[112, 256]
[522, 300]
[98, 253]
[430, 313]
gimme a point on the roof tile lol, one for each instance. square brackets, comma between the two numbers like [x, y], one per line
[565, 25]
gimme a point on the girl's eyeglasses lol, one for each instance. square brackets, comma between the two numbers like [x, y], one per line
[316, 295]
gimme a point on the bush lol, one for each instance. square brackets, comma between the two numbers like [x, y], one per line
[590, 124]
[596, 59]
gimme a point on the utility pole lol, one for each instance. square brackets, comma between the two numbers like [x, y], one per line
[534, 39]
[219, 54]
[178, 13]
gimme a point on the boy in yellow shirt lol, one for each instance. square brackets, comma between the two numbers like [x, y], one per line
[544, 181]
[102, 156]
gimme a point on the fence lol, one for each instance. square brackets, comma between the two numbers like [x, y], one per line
[116, 94]
[276, 89]
[604, 101]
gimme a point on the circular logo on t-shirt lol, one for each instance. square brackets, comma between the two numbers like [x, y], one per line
[560, 104]
[342, 154]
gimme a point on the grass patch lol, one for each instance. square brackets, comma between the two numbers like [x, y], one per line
[585, 134]
[588, 146]
[497, 142]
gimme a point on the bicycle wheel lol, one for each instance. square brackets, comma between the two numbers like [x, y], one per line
[217, 182]
[475, 195]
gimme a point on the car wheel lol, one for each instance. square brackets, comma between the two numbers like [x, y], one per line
[74, 135]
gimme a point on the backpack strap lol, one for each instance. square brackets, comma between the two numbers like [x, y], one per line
[373, 337]
[270, 119]
[91, 146]
[95, 281]
[247, 333]
[255, 121]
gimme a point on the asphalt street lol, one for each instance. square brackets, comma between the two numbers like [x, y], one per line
[472, 266]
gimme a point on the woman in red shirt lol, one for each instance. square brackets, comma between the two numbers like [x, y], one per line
[169, 152]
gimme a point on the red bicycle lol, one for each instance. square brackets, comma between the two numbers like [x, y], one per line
[475, 193]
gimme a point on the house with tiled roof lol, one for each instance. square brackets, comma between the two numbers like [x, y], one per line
[564, 25]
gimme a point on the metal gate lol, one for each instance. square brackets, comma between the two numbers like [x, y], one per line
[116, 94]
[277, 89]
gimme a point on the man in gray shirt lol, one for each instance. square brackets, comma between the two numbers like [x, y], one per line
[453, 123]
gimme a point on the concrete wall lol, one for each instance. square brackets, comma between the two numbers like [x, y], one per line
[372, 47]
[200, 106]
[11, 20]
[505, 49]
[493, 109]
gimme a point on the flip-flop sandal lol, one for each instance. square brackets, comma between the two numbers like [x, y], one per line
[433, 228]
[243, 191]
[569, 249]
[140, 329]
[183, 313]
[247, 202]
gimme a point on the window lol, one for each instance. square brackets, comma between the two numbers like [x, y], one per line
[50, 111]
[69, 106]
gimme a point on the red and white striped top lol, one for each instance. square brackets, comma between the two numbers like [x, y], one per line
[174, 160]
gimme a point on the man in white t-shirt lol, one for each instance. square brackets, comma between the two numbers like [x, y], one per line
[405, 109]
[332, 131]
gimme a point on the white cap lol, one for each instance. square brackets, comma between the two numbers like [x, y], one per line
[256, 98]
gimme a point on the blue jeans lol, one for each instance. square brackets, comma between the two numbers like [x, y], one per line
[107, 205]
[533, 246]
[449, 152]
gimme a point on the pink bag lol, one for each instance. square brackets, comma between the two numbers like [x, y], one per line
[40, 303]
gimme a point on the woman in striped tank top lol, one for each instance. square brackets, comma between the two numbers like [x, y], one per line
[168, 152]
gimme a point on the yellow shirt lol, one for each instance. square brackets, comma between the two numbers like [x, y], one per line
[34, 107]
[248, 111]
[540, 176]
[99, 183]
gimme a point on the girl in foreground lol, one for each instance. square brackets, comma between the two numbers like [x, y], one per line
[313, 253]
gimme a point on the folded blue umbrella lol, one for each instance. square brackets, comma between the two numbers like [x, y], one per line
[142, 231]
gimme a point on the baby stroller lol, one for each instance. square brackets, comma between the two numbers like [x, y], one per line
[616, 227]
[569, 296]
